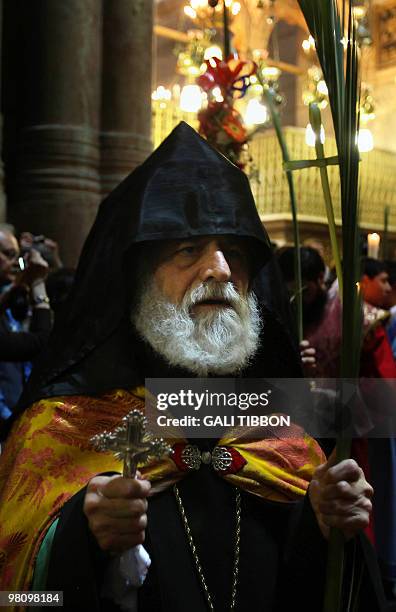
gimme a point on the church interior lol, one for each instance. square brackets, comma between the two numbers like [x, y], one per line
[198, 190]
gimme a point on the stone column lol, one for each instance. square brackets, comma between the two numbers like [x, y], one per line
[57, 187]
[2, 194]
[126, 88]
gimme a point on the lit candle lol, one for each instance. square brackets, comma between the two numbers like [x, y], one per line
[373, 242]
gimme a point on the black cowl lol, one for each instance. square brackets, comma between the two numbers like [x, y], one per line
[185, 188]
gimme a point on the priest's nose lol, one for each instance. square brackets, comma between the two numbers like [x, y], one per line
[215, 265]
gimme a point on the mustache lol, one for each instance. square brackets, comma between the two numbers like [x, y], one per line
[213, 291]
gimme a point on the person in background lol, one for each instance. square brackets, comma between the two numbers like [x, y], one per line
[314, 298]
[9, 253]
[374, 282]
[377, 357]
[315, 243]
[20, 340]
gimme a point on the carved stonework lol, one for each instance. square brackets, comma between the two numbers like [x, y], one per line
[386, 34]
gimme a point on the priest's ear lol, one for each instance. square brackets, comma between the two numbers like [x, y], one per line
[138, 266]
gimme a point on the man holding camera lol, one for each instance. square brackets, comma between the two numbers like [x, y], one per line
[21, 289]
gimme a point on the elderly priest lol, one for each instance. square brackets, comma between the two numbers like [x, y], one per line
[164, 289]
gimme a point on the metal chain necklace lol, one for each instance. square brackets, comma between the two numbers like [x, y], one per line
[197, 562]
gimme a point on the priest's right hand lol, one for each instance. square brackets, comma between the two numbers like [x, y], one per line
[116, 511]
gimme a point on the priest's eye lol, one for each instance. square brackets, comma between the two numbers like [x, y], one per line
[187, 250]
[235, 252]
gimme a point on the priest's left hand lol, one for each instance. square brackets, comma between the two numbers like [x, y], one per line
[340, 496]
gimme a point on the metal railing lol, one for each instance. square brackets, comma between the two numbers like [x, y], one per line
[269, 185]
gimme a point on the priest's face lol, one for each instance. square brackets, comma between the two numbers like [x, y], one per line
[195, 308]
[186, 264]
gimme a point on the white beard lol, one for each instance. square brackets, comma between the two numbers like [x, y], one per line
[221, 341]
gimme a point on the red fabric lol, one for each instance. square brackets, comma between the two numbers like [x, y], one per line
[377, 357]
[177, 458]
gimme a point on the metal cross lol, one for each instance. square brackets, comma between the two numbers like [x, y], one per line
[132, 443]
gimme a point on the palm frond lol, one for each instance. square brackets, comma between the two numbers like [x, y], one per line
[316, 123]
[340, 71]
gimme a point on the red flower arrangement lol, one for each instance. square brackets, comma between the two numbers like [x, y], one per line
[220, 123]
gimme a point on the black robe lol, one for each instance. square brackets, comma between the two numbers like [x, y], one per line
[282, 555]
[282, 551]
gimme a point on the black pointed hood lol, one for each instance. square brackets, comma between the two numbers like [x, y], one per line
[190, 189]
[184, 189]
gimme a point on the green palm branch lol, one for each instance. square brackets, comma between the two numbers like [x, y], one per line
[338, 56]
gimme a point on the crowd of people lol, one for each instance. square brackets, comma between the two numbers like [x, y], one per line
[322, 318]
[178, 280]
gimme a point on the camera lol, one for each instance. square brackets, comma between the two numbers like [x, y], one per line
[37, 243]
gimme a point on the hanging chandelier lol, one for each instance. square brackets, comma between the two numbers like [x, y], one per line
[209, 12]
